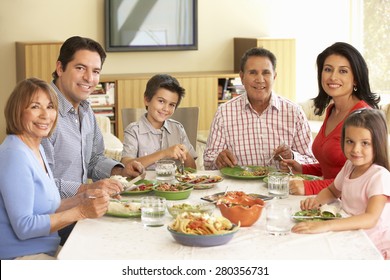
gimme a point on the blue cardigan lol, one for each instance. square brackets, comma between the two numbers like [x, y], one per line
[28, 195]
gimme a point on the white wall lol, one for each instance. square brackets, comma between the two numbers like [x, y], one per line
[314, 24]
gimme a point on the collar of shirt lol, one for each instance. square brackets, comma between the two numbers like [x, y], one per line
[64, 106]
[145, 126]
[274, 102]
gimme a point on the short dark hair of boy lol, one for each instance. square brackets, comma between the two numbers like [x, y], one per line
[163, 81]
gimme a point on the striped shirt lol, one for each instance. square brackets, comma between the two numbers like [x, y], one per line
[252, 137]
[75, 150]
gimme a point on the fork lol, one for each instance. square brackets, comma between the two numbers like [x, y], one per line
[181, 167]
[269, 161]
[288, 166]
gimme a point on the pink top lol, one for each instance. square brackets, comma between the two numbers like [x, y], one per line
[329, 163]
[355, 195]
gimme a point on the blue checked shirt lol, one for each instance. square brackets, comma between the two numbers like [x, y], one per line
[75, 151]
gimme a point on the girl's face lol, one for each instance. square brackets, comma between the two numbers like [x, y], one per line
[161, 106]
[358, 147]
[337, 77]
[39, 116]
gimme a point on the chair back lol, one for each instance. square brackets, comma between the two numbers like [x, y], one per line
[130, 115]
[187, 116]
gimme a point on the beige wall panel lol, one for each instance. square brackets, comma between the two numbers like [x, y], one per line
[36, 60]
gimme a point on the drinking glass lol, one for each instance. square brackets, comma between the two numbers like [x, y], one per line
[153, 211]
[278, 219]
[165, 170]
[278, 184]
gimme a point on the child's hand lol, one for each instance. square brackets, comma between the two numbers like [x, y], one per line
[310, 203]
[311, 227]
[178, 151]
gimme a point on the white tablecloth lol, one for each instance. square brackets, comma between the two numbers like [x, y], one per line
[121, 238]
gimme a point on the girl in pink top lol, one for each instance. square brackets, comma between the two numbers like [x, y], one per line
[362, 184]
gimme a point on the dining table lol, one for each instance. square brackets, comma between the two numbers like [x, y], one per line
[116, 238]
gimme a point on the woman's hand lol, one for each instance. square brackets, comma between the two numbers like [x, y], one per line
[94, 204]
[295, 166]
[297, 187]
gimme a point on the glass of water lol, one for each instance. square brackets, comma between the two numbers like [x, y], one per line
[153, 211]
[278, 218]
[165, 170]
[278, 184]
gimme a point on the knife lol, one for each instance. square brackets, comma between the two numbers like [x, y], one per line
[131, 184]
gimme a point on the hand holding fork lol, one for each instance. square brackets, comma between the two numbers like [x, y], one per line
[288, 166]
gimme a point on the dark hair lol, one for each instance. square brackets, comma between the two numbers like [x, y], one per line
[359, 71]
[20, 99]
[74, 44]
[373, 120]
[163, 81]
[257, 52]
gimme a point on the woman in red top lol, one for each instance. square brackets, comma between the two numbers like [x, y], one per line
[344, 84]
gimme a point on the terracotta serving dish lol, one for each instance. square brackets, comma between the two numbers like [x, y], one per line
[241, 208]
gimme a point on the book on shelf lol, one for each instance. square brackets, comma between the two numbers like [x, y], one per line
[109, 114]
[232, 88]
[104, 94]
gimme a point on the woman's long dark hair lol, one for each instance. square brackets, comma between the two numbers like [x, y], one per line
[359, 71]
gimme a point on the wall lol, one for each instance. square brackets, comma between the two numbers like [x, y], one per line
[314, 24]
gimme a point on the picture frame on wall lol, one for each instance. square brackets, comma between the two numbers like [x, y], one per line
[151, 25]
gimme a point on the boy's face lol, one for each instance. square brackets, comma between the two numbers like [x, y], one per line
[161, 106]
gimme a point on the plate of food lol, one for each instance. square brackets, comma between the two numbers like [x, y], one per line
[248, 172]
[124, 208]
[202, 230]
[199, 182]
[173, 191]
[325, 212]
[187, 170]
[143, 186]
[215, 197]
[299, 177]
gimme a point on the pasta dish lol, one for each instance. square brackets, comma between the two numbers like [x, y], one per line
[201, 224]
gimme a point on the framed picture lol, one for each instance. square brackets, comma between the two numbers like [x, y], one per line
[151, 25]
